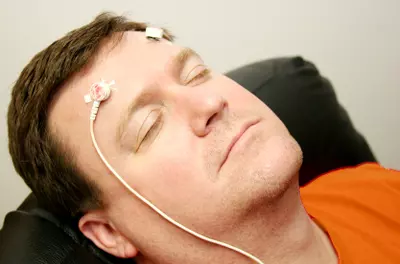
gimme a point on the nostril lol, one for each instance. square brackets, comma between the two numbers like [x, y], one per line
[211, 119]
[217, 114]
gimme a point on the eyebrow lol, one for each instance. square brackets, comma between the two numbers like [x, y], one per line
[146, 95]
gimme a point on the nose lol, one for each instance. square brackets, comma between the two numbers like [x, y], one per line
[202, 108]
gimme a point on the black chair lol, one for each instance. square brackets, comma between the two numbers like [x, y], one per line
[291, 87]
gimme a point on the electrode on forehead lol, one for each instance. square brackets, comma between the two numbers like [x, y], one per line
[99, 91]
[154, 33]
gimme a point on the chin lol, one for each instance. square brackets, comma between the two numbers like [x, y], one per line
[277, 168]
[270, 170]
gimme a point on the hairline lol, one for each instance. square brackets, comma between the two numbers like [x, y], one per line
[62, 144]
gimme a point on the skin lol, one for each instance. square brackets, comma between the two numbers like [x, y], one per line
[252, 201]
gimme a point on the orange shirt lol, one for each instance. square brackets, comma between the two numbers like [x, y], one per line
[360, 210]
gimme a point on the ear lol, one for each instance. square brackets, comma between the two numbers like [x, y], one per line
[97, 227]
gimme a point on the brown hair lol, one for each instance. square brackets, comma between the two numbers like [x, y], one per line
[46, 165]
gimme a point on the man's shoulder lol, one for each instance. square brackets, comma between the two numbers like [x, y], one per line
[359, 208]
[366, 175]
[368, 187]
[369, 184]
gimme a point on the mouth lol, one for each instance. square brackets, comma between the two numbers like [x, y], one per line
[236, 138]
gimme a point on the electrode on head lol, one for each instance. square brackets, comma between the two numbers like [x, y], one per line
[154, 33]
[99, 91]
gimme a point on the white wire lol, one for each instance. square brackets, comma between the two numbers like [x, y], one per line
[94, 110]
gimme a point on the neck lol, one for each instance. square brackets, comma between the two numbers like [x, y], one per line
[282, 232]
[279, 232]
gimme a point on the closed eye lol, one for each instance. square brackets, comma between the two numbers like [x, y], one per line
[152, 131]
[201, 75]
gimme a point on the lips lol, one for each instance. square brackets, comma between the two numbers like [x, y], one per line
[236, 138]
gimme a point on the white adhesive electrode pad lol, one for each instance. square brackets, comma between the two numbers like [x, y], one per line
[154, 33]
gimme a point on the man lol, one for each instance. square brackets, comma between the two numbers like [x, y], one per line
[197, 145]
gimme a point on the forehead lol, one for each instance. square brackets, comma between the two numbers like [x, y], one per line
[133, 55]
[132, 62]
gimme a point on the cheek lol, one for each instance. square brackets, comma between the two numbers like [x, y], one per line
[171, 172]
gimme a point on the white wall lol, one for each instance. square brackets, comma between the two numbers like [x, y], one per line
[355, 43]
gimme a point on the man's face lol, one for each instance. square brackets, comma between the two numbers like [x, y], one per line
[196, 144]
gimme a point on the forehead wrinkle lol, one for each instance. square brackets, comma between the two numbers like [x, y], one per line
[122, 127]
